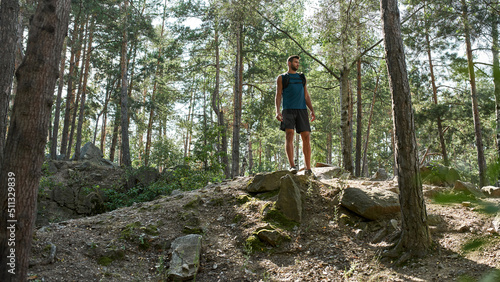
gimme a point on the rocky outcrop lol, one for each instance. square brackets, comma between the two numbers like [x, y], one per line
[380, 175]
[468, 188]
[265, 182]
[185, 260]
[326, 173]
[374, 203]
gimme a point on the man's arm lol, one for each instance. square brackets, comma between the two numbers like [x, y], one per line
[277, 99]
[309, 103]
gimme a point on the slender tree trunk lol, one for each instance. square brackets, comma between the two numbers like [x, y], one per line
[475, 111]
[81, 115]
[345, 122]
[435, 99]
[114, 138]
[238, 73]
[329, 147]
[496, 74]
[70, 97]
[9, 13]
[125, 148]
[365, 171]
[27, 136]
[415, 237]
[78, 94]
[55, 132]
[359, 118]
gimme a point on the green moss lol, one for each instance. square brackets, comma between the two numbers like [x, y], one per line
[104, 261]
[254, 244]
[237, 218]
[242, 199]
[127, 232]
[193, 230]
[150, 230]
[273, 215]
[268, 195]
[194, 203]
[453, 198]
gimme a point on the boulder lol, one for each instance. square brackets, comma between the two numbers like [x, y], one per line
[439, 175]
[289, 199]
[491, 191]
[373, 203]
[89, 152]
[265, 182]
[271, 236]
[468, 188]
[185, 260]
[325, 173]
[380, 175]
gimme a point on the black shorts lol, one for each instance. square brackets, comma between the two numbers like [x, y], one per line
[295, 119]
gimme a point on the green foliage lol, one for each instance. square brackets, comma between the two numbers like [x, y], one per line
[452, 197]
[180, 178]
[474, 244]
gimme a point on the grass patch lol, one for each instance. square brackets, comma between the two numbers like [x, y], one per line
[474, 244]
[453, 198]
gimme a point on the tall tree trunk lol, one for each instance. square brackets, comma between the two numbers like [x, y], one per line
[496, 74]
[365, 171]
[27, 136]
[359, 117]
[415, 238]
[81, 114]
[345, 122]
[435, 99]
[9, 13]
[238, 87]
[55, 132]
[475, 111]
[125, 148]
[79, 92]
[222, 144]
[70, 97]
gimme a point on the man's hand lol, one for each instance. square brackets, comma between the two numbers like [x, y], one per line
[279, 116]
[313, 116]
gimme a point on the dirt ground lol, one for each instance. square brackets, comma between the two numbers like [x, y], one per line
[331, 244]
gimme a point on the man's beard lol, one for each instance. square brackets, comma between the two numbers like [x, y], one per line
[293, 68]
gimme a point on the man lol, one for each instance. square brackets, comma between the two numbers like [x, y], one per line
[292, 87]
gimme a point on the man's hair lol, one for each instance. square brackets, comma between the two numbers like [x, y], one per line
[290, 59]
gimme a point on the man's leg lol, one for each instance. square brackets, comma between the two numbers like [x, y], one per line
[306, 147]
[289, 145]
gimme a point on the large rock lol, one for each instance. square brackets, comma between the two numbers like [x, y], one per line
[468, 188]
[325, 173]
[289, 199]
[439, 175]
[89, 152]
[380, 175]
[265, 182]
[374, 203]
[185, 260]
[491, 191]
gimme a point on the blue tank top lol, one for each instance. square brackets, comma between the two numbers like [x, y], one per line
[293, 95]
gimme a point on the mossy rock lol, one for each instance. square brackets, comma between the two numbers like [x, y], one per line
[254, 244]
[273, 215]
[109, 256]
[242, 199]
[194, 203]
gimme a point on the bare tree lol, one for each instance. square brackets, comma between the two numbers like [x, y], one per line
[25, 144]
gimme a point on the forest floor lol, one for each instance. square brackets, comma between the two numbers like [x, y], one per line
[331, 244]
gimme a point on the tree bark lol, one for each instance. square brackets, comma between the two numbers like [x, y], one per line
[365, 171]
[9, 13]
[114, 138]
[27, 136]
[475, 110]
[125, 148]
[415, 237]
